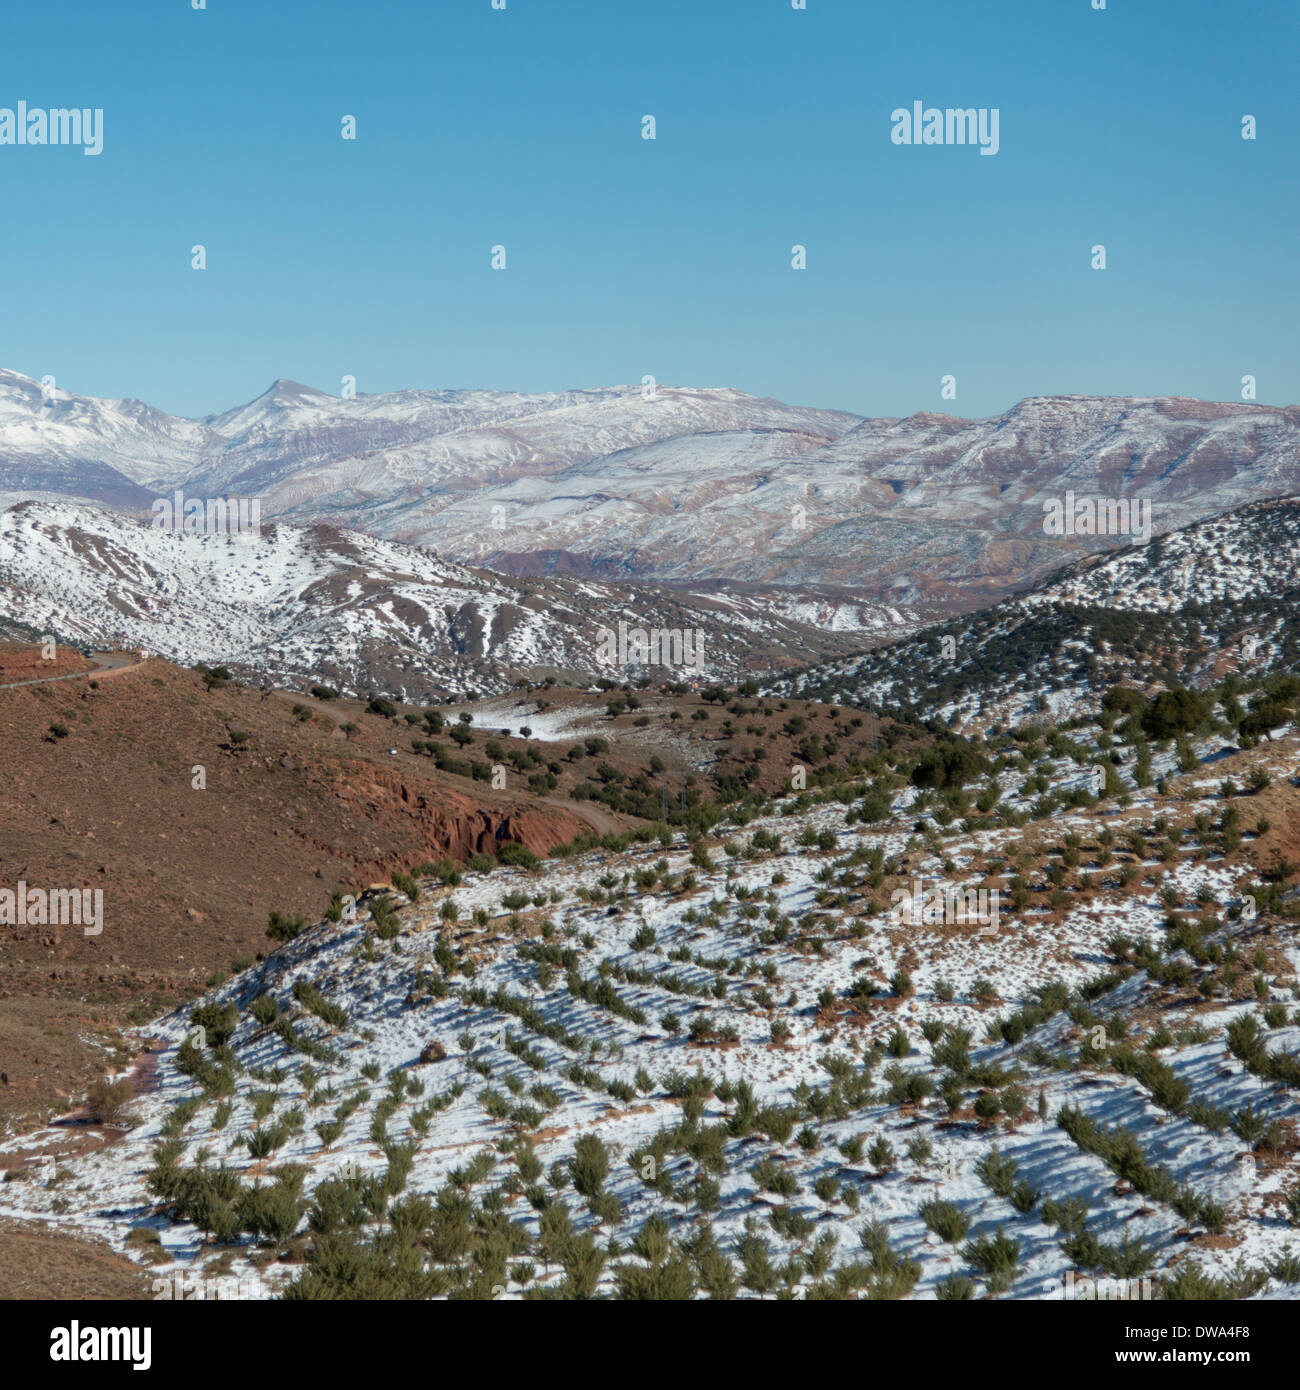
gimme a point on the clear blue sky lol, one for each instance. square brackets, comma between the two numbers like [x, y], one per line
[671, 257]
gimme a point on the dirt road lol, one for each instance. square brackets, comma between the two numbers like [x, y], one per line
[106, 664]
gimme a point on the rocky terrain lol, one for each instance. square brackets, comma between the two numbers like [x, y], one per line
[294, 605]
[444, 958]
[199, 805]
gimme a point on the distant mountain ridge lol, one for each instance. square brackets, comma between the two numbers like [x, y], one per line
[677, 485]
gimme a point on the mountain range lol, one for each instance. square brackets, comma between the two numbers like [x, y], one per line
[673, 485]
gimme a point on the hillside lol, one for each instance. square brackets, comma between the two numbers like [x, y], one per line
[1217, 597]
[724, 1065]
[294, 605]
[301, 796]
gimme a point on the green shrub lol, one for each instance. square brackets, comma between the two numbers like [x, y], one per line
[998, 1254]
[107, 1101]
[283, 928]
[590, 1165]
[218, 1021]
[516, 855]
[881, 1155]
[998, 1170]
[945, 1219]
[956, 1288]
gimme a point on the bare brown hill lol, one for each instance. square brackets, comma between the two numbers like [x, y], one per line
[20, 662]
[199, 806]
[197, 812]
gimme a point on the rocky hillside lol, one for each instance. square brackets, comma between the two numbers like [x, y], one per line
[294, 605]
[726, 1065]
[1219, 596]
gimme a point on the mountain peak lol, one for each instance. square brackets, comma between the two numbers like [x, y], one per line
[285, 389]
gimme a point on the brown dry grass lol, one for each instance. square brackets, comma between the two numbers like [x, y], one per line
[37, 1262]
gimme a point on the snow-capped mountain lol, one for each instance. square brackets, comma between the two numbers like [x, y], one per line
[328, 457]
[678, 485]
[928, 509]
[1218, 596]
[301, 604]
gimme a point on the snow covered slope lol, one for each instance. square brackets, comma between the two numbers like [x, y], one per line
[1218, 596]
[639, 1072]
[296, 605]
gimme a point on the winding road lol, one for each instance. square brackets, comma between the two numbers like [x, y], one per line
[106, 664]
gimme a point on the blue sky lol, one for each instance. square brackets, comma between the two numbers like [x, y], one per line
[625, 256]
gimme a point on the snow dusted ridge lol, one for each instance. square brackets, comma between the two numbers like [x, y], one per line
[1246, 554]
[297, 604]
[802, 1093]
[294, 442]
[1219, 595]
[684, 485]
